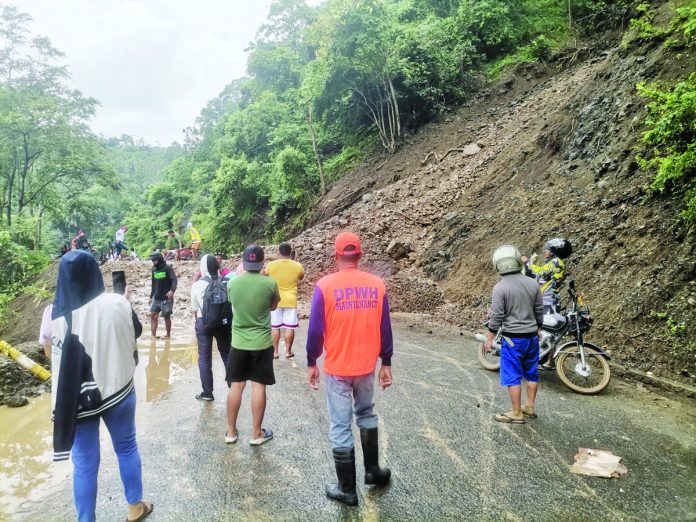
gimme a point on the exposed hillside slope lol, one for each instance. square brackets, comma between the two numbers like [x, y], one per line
[542, 155]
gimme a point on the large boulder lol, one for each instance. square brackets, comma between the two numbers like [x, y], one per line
[398, 249]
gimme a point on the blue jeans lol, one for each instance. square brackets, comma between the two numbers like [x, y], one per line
[120, 421]
[120, 246]
[345, 395]
[223, 336]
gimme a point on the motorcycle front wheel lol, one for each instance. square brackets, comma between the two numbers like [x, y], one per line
[491, 360]
[591, 379]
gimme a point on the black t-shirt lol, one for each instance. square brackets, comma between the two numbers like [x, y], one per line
[163, 280]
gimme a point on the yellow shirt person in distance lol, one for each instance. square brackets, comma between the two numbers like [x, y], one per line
[195, 241]
[286, 273]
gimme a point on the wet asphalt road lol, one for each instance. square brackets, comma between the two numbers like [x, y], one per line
[449, 459]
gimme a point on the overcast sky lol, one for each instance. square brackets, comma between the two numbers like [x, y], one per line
[152, 64]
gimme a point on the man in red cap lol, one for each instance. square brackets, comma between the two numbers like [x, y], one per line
[350, 319]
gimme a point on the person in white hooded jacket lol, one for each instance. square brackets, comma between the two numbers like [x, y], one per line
[93, 336]
[204, 337]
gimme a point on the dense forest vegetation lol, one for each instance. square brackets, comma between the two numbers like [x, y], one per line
[326, 86]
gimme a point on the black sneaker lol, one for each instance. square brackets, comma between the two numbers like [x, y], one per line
[205, 397]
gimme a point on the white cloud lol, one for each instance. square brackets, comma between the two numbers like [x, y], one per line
[153, 64]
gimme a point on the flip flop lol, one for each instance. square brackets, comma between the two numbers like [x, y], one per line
[267, 435]
[276, 356]
[147, 509]
[503, 417]
[231, 440]
[532, 415]
[289, 355]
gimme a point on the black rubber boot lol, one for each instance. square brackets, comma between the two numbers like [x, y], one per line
[344, 491]
[374, 475]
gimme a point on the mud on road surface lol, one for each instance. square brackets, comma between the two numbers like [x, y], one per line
[448, 457]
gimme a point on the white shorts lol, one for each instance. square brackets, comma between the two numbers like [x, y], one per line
[284, 318]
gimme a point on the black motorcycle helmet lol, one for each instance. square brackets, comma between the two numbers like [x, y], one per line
[559, 247]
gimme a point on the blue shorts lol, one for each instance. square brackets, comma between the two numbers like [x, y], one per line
[519, 360]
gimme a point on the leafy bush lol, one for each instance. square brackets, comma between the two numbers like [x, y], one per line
[677, 332]
[539, 49]
[671, 138]
[641, 29]
[685, 24]
[18, 265]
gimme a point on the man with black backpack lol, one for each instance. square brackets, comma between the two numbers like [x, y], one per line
[213, 315]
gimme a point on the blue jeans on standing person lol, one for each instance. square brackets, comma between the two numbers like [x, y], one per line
[345, 395]
[120, 246]
[120, 421]
[223, 336]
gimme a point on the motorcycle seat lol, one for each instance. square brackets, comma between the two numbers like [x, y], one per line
[554, 321]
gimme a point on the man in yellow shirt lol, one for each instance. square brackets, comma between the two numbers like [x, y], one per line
[286, 273]
[195, 241]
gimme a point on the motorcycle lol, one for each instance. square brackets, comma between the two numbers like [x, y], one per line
[581, 366]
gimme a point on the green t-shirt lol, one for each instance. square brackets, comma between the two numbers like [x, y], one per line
[251, 295]
[171, 242]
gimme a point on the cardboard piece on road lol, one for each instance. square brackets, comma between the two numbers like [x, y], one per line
[598, 463]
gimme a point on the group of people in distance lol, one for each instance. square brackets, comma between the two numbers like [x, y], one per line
[173, 245]
[118, 250]
[93, 337]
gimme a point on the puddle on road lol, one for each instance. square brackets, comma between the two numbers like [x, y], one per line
[27, 470]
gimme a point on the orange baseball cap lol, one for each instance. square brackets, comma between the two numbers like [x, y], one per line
[344, 240]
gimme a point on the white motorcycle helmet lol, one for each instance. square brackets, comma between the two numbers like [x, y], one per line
[507, 259]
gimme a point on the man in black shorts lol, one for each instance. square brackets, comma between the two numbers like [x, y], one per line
[253, 296]
[162, 294]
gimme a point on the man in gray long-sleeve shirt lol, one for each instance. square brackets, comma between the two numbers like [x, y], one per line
[518, 309]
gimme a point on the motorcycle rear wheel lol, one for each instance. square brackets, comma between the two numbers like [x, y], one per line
[491, 360]
[588, 381]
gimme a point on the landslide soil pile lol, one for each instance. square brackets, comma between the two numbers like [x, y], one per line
[548, 152]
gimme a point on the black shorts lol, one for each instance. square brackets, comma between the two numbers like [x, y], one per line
[164, 306]
[250, 365]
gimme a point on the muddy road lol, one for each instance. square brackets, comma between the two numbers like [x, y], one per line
[449, 459]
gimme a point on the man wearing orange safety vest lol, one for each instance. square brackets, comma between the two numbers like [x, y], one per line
[350, 319]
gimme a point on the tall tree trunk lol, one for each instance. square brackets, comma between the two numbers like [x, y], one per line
[320, 164]
[23, 176]
[392, 92]
[37, 232]
[9, 203]
[10, 185]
